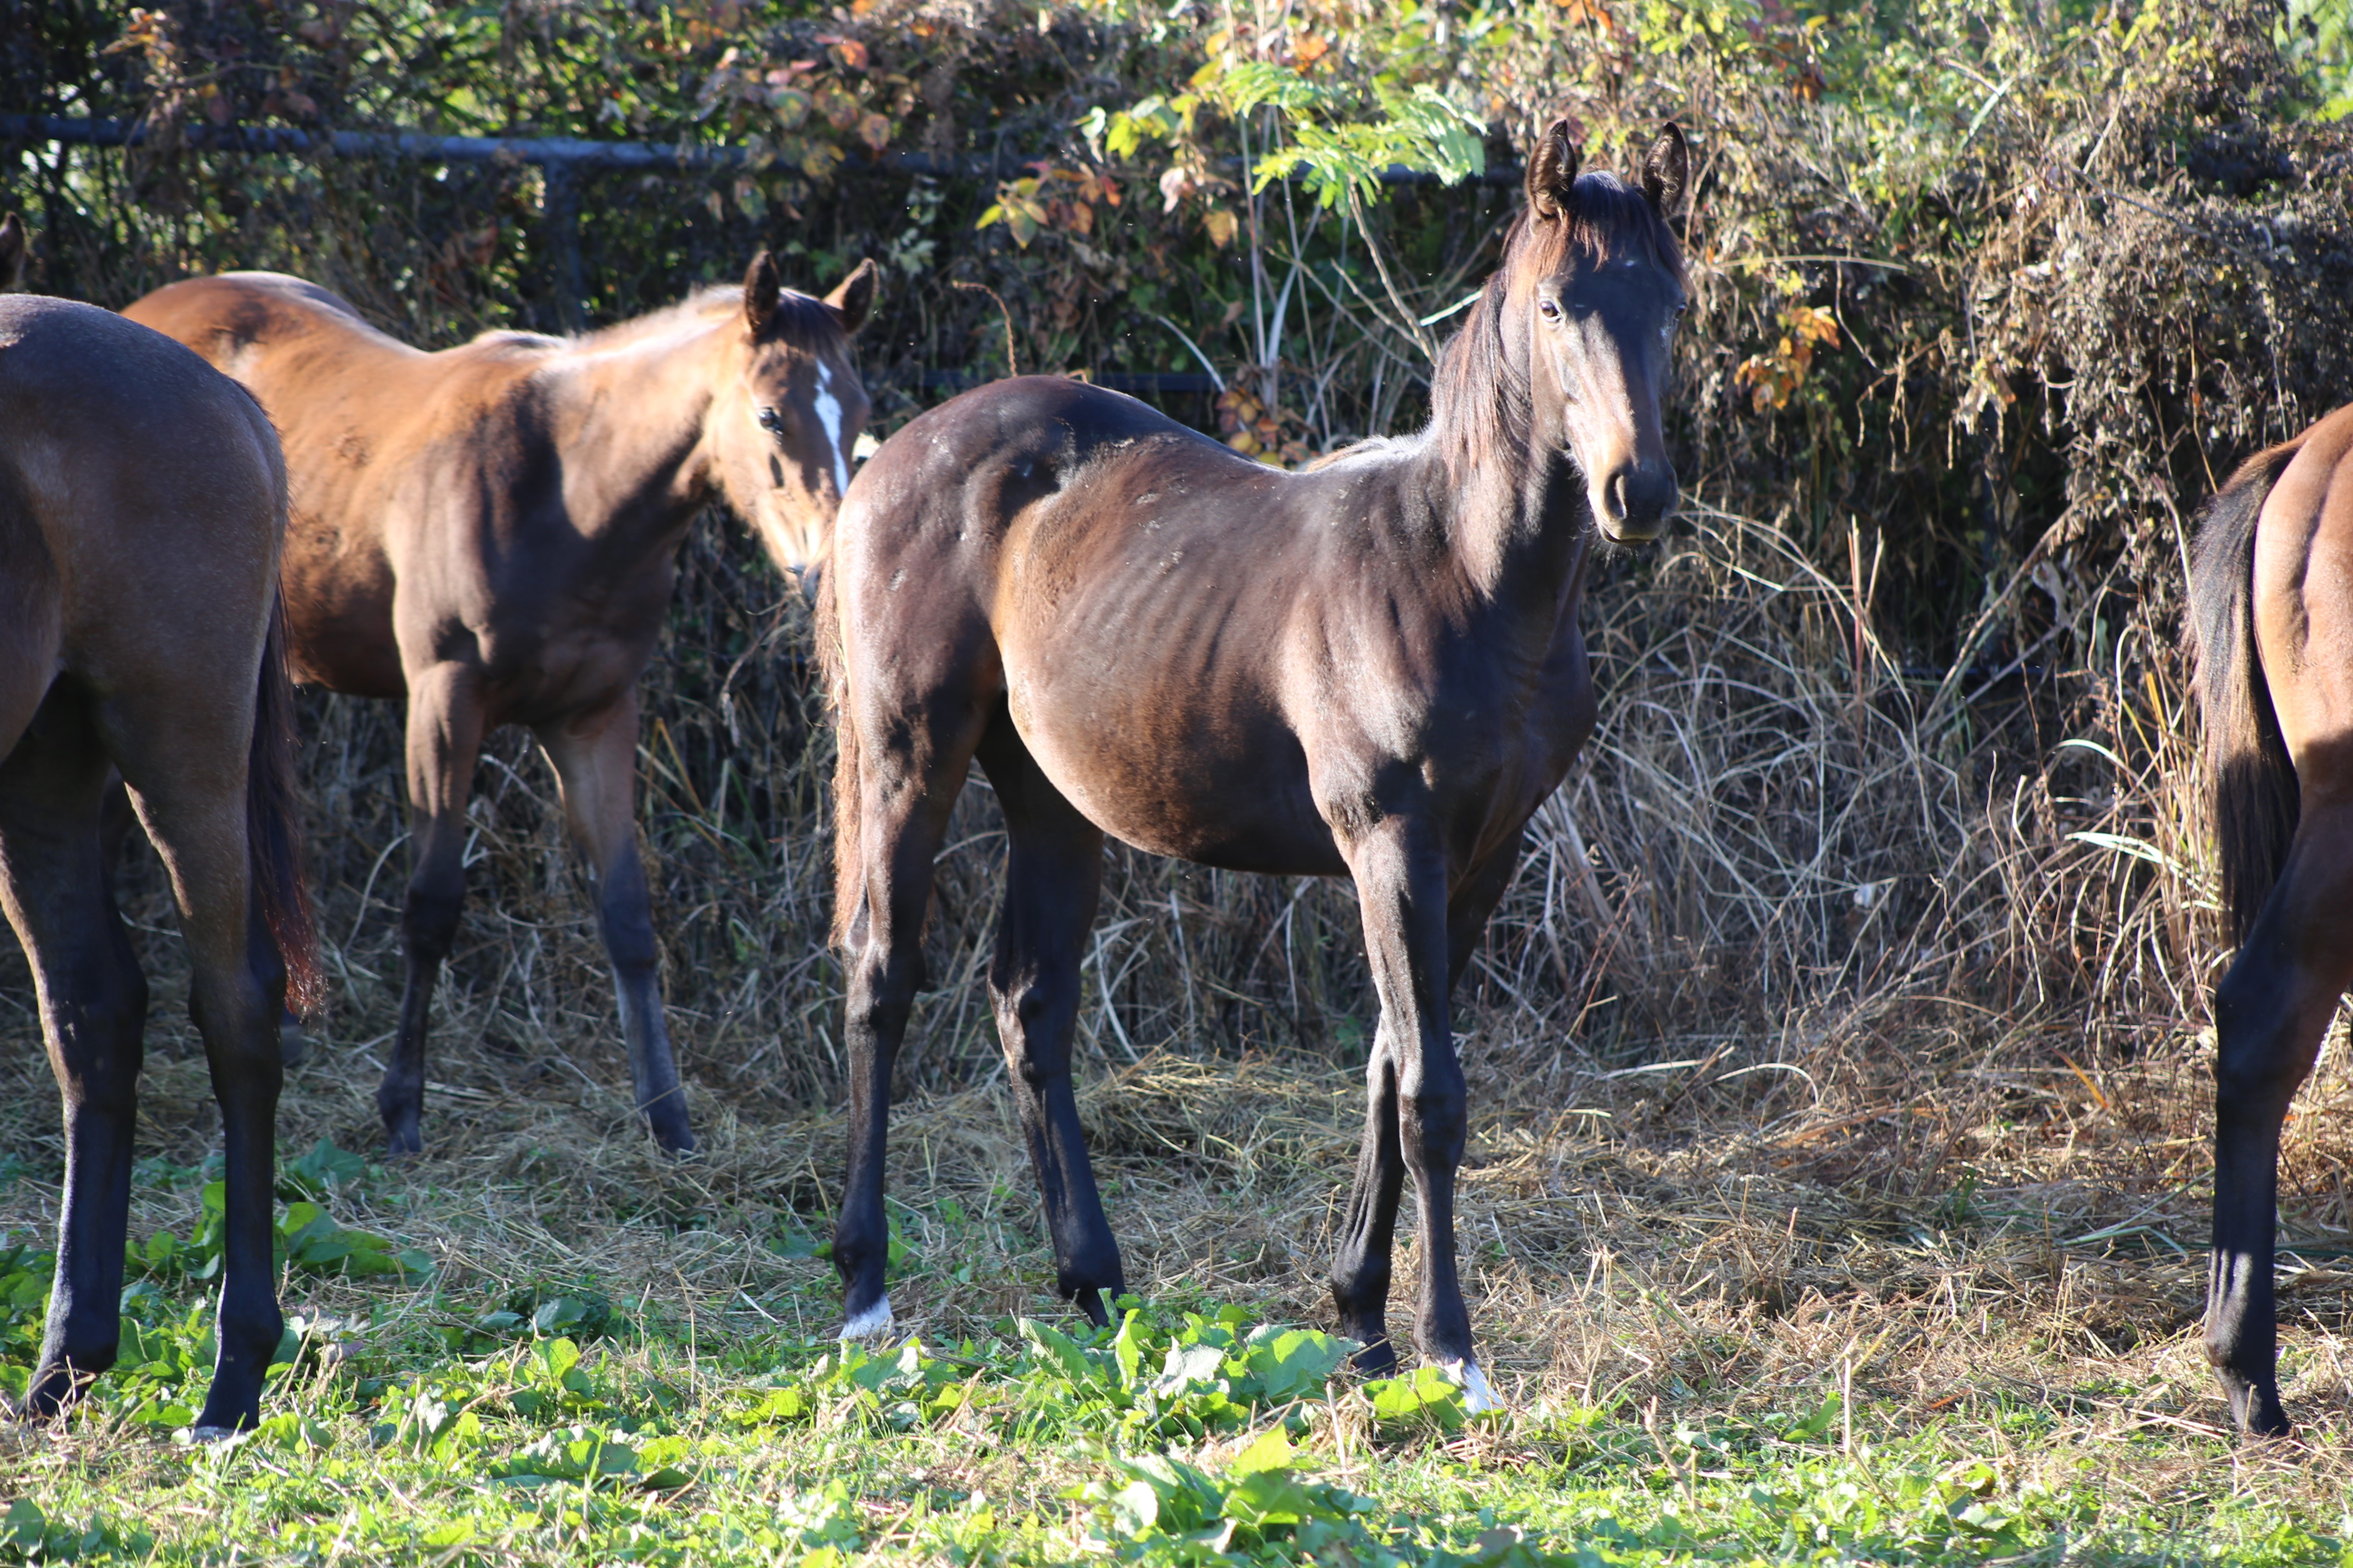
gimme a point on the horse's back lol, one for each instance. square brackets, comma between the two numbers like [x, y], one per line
[1051, 422]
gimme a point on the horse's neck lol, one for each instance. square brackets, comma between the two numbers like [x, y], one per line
[633, 422]
[1516, 523]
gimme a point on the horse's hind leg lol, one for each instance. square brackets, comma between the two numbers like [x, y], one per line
[1053, 872]
[93, 1014]
[445, 737]
[595, 758]
[2270, 1013]
[183, 755]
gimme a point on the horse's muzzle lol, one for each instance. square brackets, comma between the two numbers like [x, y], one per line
[1635, 501]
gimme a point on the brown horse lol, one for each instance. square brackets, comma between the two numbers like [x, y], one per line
[2271, 601]
[491, 533]
[1371, 668]
[141, 503]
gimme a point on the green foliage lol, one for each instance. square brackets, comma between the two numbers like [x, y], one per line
[2317, 37]
[308, 1240]
[1262, 1508]
[1201, 1376]
[29, 1535]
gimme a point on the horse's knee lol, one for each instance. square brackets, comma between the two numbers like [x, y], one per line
[1436, 1123]
[101, 1033]
[428, 919]
[883, 979]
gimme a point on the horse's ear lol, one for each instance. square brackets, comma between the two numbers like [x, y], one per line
[853, 296]
[762, 290]
[1666, 170]
[1551, 171]
[13, 247]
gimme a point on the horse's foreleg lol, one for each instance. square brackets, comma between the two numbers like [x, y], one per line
[1361, 1262]
[445, 736]
[1401, 888]
[904, 807]
[1053, 872]
[1473, 900]
[2270, 1013]
[595, 755]
[93, 1005]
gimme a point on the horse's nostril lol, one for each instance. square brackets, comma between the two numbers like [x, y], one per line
[1616, 492]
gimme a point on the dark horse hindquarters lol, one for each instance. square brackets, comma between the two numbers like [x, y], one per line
[2270, 607]
[142, 503]
[1372, 667]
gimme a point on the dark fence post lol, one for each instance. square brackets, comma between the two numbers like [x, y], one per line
[564, 224]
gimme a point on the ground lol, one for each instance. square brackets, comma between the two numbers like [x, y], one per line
[1733, 1320]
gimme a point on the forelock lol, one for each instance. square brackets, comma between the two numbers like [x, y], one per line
[1604, 216]
[799, 320]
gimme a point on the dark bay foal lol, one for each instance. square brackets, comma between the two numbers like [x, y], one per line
[491, 533]
[2271, 602]
[141, 503]
[1371, 668]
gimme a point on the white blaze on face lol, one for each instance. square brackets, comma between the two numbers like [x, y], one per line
[828, 414]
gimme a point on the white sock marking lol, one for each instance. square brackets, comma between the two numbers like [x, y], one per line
[870, 1324]
[1478, 1394]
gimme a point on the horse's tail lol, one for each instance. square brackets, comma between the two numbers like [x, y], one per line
[825, 621]
[273, 818]
[2250, 779]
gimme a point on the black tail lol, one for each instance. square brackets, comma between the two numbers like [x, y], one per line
[2250, 779]
[273, 825]
[825, 623]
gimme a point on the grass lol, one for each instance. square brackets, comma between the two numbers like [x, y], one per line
[1720, 1342]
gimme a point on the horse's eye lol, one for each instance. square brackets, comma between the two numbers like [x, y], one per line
[772, 420]
[1551, 312]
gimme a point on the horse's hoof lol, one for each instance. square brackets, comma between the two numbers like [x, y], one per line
[870, 1324]
[402, 1144]
[1378, 1359]
[1479, 1395]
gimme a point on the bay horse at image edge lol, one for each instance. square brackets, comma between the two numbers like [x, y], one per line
[142, 500]
[1371, 668]
[2271, 620]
